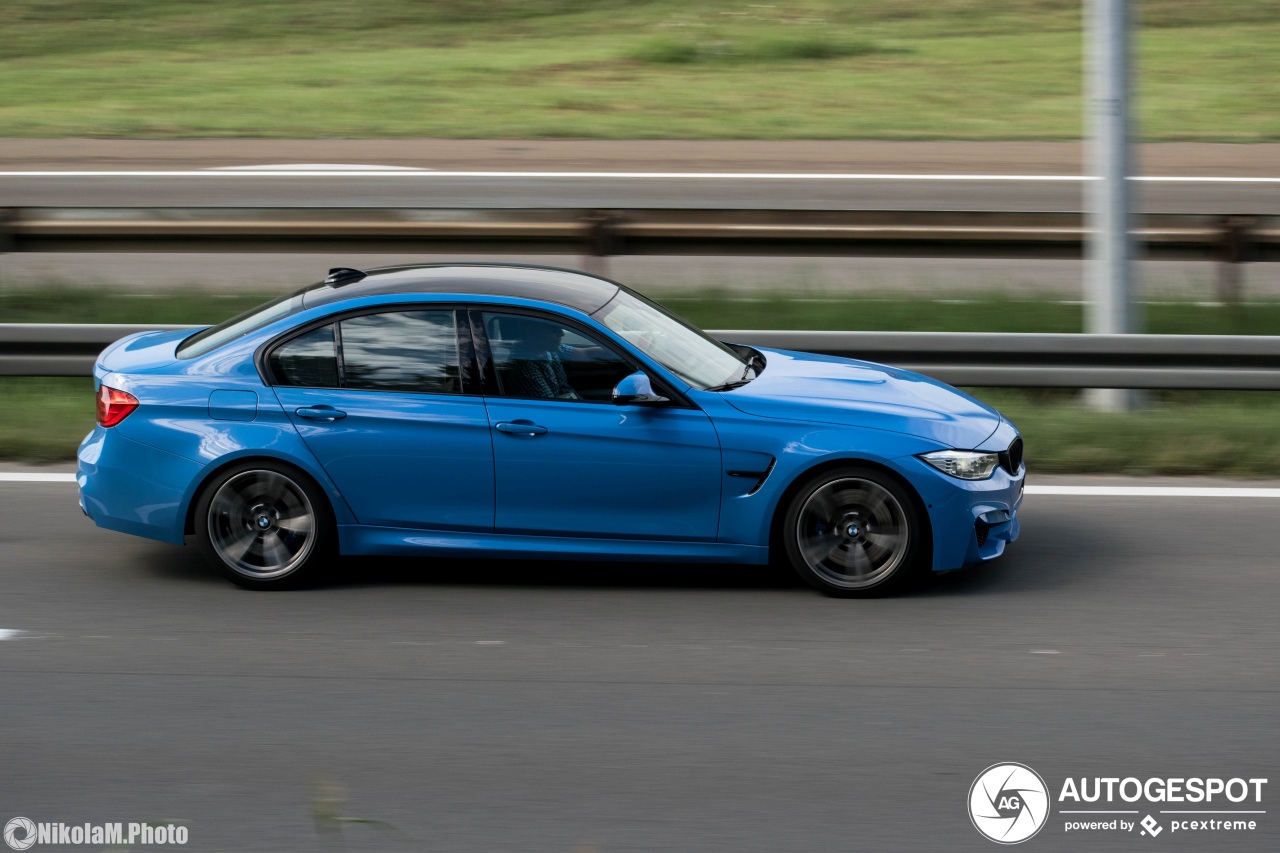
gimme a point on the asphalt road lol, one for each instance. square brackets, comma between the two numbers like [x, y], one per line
[488, 707]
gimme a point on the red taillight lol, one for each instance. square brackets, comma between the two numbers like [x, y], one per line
[114, 406]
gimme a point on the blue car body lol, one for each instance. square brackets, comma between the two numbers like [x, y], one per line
[440, 473]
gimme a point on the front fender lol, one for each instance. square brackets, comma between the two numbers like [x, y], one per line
[796, 448]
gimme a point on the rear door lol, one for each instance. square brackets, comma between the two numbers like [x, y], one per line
[389, 404]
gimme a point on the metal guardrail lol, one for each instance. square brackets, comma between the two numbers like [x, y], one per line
[1015, 360]
[601, 233]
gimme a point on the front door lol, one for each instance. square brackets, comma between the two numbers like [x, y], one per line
[570, 462]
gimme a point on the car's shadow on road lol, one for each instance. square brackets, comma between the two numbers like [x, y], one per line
[387, 571]
[1051, 554]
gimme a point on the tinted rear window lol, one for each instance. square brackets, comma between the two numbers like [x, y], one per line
[401, 351]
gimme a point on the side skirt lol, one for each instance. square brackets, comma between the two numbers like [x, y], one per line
[397, 541]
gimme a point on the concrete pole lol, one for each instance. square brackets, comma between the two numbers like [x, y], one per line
[1109, 272]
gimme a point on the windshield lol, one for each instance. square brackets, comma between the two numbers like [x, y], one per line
[687, 352]
[251, 320]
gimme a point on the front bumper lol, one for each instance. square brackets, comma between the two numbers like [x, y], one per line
[972, 520]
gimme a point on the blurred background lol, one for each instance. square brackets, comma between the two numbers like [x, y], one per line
[940, 107]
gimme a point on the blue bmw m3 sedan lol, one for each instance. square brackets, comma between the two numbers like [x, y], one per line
[518, 411]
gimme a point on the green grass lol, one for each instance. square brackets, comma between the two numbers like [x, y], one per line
[1212, 433]
[799, 69]
[44, 418]
[1217, 433]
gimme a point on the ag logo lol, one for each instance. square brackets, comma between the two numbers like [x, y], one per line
[1008, 803]
[20, 833]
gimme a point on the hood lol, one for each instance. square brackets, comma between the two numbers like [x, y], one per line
[825, 389]
[141, 351]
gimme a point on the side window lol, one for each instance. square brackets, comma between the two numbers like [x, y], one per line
[401, 351]
[307, 361]
[542, 358]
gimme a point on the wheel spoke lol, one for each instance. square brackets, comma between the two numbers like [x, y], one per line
[238, 547]
[819, 548]
[300, 523]
[876, 506]
[887, 541]
[822, 505]
[861, 562]
[274, 552]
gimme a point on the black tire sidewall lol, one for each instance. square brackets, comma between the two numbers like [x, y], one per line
[312, 569]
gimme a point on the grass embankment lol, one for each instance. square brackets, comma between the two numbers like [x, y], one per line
[1218, 433]
[621, 69]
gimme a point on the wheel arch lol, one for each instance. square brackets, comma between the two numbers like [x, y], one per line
[337, 506]
[788, 494]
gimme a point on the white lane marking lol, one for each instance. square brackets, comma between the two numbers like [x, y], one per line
[402, 172]
[33, 477]
[8, 633]
[316, 167]
[1153, 492]
[1045, 652]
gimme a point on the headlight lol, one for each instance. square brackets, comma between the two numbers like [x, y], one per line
[965, 464]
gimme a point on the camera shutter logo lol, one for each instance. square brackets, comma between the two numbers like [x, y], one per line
[20, 833]
[1008, 803]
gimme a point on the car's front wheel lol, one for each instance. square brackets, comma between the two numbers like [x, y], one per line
[853, 531]
[265, 525]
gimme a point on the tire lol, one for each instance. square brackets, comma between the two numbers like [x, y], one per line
[266, 525]
[854, 532]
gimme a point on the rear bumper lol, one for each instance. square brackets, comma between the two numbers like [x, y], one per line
[132, 487]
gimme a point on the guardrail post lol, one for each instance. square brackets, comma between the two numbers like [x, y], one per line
[1229, 278]
[601, 242]
[8, 216]
[1109, 271]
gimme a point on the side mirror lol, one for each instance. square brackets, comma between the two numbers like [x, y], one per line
[636, 390]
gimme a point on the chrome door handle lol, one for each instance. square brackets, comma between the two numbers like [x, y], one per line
[520, 428]
[320, 413]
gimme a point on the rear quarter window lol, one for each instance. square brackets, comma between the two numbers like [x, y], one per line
[308, 361]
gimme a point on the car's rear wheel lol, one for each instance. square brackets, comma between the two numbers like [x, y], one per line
[265, 525]
[853, 531]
